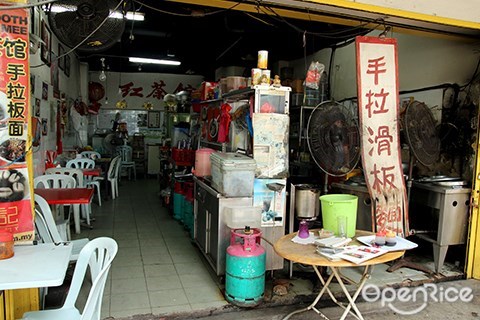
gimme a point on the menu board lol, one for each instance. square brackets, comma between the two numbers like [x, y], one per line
[16, 210]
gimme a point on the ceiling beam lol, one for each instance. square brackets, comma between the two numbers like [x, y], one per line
[319, 11]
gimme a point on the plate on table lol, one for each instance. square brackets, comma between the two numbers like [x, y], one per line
[402, 244]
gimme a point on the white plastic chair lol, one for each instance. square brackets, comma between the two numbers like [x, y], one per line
[54, 181]
[81, 182]
[77, 174]
[81, 163]
[57, 181]
[112, 175]
[47, 230]
[98, 255]
[87, 163]
[90, 155]
[126, 153]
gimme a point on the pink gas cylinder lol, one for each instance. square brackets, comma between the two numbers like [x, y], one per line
[245, 268]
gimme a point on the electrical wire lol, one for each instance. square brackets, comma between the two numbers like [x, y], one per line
[262, 21]
[332, 35]
[86, 38]
[189, 14]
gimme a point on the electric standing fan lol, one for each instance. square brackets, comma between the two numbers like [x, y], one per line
[424, 144]
[74, 20]
[422, 137]
[333, 138]
[421, 133]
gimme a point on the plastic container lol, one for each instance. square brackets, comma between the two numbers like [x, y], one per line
[235, 83]
[312, 97]
[233, 174]
[335, 205]
[6, 245]
[256, 75]
[223, 85]
[188, 218]
[179, 134]
[178, 203]
[183, 157]
[241, 216]
[262, 61]
[203, 165]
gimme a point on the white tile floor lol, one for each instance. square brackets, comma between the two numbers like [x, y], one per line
[157, 269]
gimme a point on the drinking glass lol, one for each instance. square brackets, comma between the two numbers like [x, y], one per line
[342, 226]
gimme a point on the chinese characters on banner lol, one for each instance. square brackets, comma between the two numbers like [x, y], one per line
[378, 101]
[157, 90]
[15, 193]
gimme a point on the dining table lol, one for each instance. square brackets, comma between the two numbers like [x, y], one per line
[68, 196]
[92, 172]
[30, 268]
[307, 254]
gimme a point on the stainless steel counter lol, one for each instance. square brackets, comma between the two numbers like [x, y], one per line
[442, 210]
[211, 232]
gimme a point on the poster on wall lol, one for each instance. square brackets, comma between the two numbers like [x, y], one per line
[378, 104]
[16, 214]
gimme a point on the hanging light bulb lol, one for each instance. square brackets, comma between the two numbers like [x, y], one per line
[102, 76]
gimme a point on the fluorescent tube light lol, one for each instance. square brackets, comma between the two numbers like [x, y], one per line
[130, 15]
[154, 61]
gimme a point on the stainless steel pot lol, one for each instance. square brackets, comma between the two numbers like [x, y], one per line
[307, 202]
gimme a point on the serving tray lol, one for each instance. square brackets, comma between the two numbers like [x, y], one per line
[402, 244]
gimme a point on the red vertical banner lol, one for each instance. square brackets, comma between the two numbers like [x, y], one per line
[378, 104]
[16, 214]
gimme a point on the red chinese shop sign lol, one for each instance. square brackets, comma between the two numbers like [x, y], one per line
[15, 192]
[378, 104]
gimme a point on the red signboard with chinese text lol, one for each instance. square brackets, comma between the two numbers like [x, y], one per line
[16, 214]
[378, 104]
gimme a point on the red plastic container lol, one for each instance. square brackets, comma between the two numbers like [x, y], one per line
[188, 189]
[203, 165]
[183, 157]
[178, 188]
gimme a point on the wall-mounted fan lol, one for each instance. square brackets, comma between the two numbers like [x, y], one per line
[73, 20]
[333, 138]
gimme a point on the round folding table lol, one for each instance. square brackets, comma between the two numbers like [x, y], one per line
[307, 254]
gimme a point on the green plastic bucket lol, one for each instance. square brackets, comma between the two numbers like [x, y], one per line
[336, 205]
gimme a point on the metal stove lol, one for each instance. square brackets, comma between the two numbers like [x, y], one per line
[441, 210]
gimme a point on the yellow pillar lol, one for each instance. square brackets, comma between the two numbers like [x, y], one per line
[473, 254]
